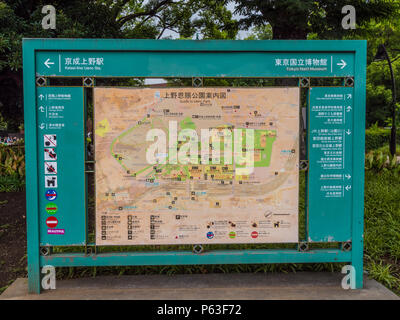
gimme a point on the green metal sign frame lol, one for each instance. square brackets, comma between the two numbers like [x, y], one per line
[47, 58]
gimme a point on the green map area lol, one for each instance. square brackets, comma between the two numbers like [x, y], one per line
[263, 144]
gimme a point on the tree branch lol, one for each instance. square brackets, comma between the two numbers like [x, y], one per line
[150, 12]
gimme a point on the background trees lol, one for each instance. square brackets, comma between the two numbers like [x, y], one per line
[293, 19]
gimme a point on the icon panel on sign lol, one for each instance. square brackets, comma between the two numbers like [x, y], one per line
[50, 140]
[50, 154]
[50, 181]
[50, 167]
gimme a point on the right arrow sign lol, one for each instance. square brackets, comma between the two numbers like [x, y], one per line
[342, 64]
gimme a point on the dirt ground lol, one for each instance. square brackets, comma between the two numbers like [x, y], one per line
[12, 237]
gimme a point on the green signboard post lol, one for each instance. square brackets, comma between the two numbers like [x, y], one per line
[332, 74]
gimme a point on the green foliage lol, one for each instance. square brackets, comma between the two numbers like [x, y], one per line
[382, 215]
[215, 22]
[379, 83]
[12, 168]
[376, 137]
[379, 31]
[293, 19]
[383, 273]
[3, 123]
[12, 161]
[379, 158]
[379, 91]
[379, 161]
[262, 32]
[11, 183]
[386, 149]
[382, 227]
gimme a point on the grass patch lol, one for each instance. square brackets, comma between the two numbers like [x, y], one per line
[11, 183]
[382, 227]
[385, 149]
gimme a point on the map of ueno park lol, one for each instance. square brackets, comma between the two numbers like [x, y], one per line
[195, 192]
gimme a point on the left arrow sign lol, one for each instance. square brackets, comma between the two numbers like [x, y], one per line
[48, 63]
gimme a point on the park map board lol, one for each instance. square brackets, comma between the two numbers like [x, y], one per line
[214, 201]
[144, 196]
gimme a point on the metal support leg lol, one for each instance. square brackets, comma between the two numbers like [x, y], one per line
[34, 275]
[357, 262]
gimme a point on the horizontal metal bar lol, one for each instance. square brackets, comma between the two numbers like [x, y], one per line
[189, 258]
